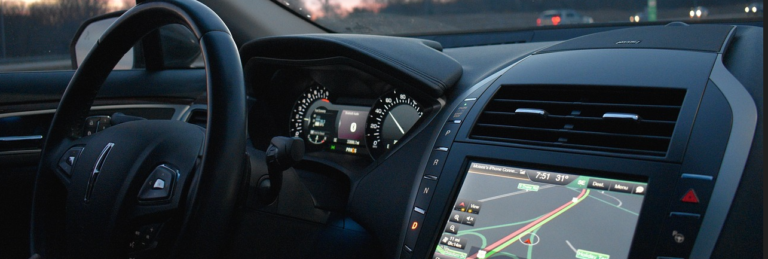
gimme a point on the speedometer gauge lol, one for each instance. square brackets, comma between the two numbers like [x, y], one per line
[305, 106]
[390, 118]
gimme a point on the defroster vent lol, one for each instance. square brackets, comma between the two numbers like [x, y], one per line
[612, 119]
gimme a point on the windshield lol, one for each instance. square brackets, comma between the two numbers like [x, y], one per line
[415, 17]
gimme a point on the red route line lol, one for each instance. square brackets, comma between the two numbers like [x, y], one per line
[526, 227]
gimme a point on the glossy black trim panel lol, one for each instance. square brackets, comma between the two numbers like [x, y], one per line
[734, 160]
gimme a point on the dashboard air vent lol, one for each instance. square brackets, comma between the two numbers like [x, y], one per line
[198, 117]
[611, 119]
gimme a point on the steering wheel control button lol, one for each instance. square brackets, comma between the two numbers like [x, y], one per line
[159, 184]
[414, 226]
[461, 112]
[68, 160]
[445, 139]
[95, 124]
[143, 237]
[426, 189]
[435, 163]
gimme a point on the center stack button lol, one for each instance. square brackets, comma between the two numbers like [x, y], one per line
[435, 163]
[424, 194]
[445, 139]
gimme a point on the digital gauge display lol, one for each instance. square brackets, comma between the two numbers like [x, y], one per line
[299, 116]
[327, 126]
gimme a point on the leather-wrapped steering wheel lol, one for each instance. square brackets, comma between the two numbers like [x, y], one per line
[146, 188]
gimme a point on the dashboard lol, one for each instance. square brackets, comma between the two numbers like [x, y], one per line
[587, 147]
[641, 142]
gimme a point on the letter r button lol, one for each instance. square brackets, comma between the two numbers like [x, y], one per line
[436, 161]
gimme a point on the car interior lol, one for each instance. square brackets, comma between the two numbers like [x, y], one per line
[243, 129]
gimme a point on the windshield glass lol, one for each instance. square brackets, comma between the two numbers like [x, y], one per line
[414, 17]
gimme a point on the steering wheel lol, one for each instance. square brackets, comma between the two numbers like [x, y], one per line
[150, 187]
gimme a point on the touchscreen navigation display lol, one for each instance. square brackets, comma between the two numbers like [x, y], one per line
[511, 212]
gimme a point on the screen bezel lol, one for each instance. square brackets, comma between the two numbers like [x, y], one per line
[660, 177]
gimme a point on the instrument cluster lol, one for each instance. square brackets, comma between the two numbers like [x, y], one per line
[326, 125]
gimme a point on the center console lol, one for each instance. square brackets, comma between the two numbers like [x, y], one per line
[558, 157]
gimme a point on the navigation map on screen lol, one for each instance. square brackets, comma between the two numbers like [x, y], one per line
[510, 212]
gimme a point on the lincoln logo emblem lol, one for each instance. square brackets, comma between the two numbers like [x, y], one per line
[97, 170]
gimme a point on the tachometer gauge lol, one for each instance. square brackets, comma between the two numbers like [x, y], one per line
[390, 118]
[304, 114]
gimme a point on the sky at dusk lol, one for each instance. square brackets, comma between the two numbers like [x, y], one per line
[112, 5]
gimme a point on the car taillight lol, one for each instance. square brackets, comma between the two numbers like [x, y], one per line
[538, 21]
[555, 20]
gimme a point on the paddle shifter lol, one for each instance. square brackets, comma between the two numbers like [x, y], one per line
[283, 153]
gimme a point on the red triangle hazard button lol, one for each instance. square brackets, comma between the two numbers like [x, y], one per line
[690, 197]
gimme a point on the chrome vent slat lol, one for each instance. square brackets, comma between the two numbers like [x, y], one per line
[616, 150]
[611, 119]
[565, 131]
[580, 118]
[579, 103]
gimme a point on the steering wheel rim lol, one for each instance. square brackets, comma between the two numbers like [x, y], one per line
[210, 192]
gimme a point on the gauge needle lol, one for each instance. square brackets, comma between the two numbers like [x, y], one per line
[396, 123]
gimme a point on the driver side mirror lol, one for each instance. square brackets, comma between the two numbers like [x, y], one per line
[171, 46]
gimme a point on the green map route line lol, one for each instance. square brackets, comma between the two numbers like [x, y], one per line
[593, 197]
[530, 247]
[482, 237]
[511, 238]
[499, 226]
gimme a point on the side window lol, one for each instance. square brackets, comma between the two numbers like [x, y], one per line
[88, 38]
[36, 35]
[172, 46]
